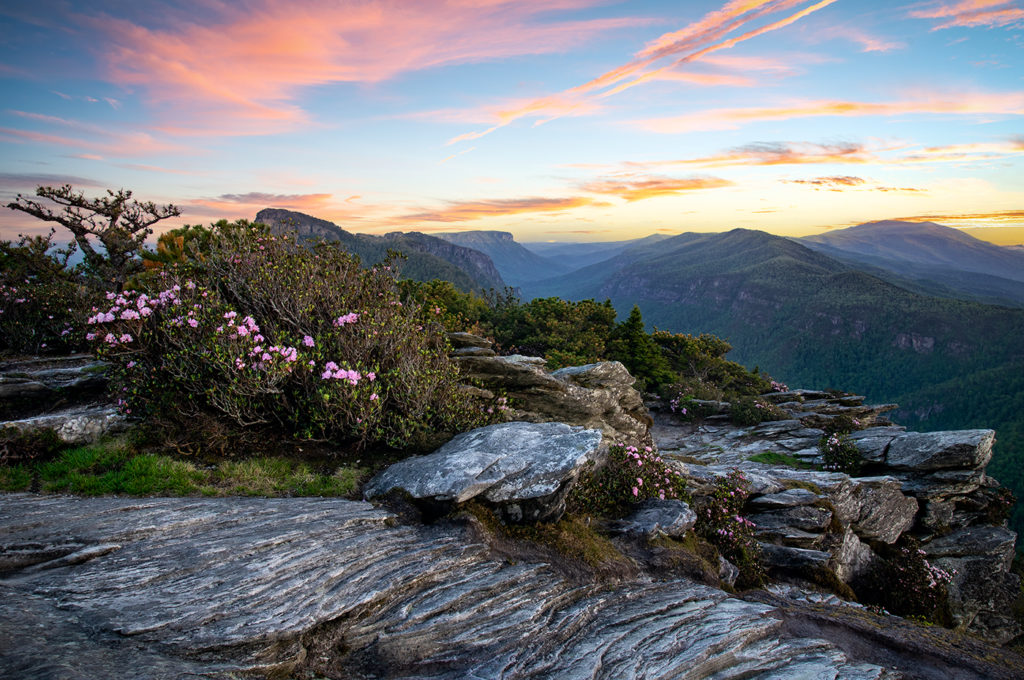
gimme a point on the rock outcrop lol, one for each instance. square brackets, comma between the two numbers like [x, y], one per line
[65, 394]
[171, 587]
[931, 486]
[523, 470]
[599, 396]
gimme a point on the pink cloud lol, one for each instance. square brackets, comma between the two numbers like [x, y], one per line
[971, 13]
[867, 41]
[108, 141]
[242, 71]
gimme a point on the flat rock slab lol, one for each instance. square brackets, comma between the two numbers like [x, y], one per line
[507, 464]
[959, 449]
[181, 587]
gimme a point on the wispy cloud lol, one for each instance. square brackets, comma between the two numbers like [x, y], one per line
[1008, 217]
[663, 55]
[867, 41]
[847, 182]
[21, 182]
[461, 211]
[242, 70]
[980, 103]
[632, 187]
[971, 13]
[105, 140]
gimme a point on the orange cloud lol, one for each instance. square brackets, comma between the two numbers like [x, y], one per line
[637, 188]
[1011, 103]
[460, 211]
[691, 43]
[91, 137]
[969, 13]
[240, 71]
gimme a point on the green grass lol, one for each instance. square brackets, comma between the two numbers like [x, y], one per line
[15, 478]
[279, 477]
[772, 458]
[115, 468]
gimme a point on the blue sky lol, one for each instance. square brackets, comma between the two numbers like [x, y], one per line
[561, 119]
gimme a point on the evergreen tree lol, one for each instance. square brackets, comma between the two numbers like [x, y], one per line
[637, 350]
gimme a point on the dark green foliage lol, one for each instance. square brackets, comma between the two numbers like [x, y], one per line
[840, 454]
[43, 302]
[701, 364]
[457, 311]
[747, 411]
[719, 521]
[636, 349]
[186, 245]
[563, 332]
[275, 335]
[772, 458]
[630, 476]
[905, 583]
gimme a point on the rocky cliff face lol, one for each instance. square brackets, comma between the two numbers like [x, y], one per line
[931, 486]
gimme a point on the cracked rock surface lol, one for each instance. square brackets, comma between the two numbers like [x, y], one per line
[188, 587]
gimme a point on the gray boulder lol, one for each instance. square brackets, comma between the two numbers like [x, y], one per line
[523, 469]
[670, 517]
[599, 396]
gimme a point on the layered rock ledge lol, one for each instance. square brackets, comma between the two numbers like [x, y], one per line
[178, 587]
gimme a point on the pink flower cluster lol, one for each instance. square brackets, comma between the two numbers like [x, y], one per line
[333, 372]
[656, 472]
[351, 317]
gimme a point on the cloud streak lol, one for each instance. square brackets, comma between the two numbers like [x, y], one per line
[1008, 103]
[973, 13]
[691, 43]
[632, 187]
[464, 211]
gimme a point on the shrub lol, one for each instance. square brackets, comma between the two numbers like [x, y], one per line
[840, 454]
[701, 359]
[719, 521]
[630, 476]
[842, 424]
[905, 583]
[749, 411]
[565, 333]
[42, 300]
[457, 311]
[272, 334]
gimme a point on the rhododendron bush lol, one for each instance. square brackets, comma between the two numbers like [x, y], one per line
[271, 333]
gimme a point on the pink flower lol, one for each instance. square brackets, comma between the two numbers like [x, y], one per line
[242, 330]
[130, 364]
[308, 341]
[193, 323]
[125, 338]
[636, 491]
[371, 376]
[110, 339]
[373, 397]
[331, 366]
[230, 315]
[266, 357]
[90, 336]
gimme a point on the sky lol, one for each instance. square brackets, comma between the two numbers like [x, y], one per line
[570, 120]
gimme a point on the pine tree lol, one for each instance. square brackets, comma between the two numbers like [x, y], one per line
[636, 349]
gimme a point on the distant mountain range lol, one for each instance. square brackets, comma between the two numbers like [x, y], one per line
[929, 258]
[427, 257]
[516, 264]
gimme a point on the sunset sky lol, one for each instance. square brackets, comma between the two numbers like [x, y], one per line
[552, 119]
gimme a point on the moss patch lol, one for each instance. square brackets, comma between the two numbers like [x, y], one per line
[772, 458]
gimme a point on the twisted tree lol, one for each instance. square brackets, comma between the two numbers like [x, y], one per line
[118, 222]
